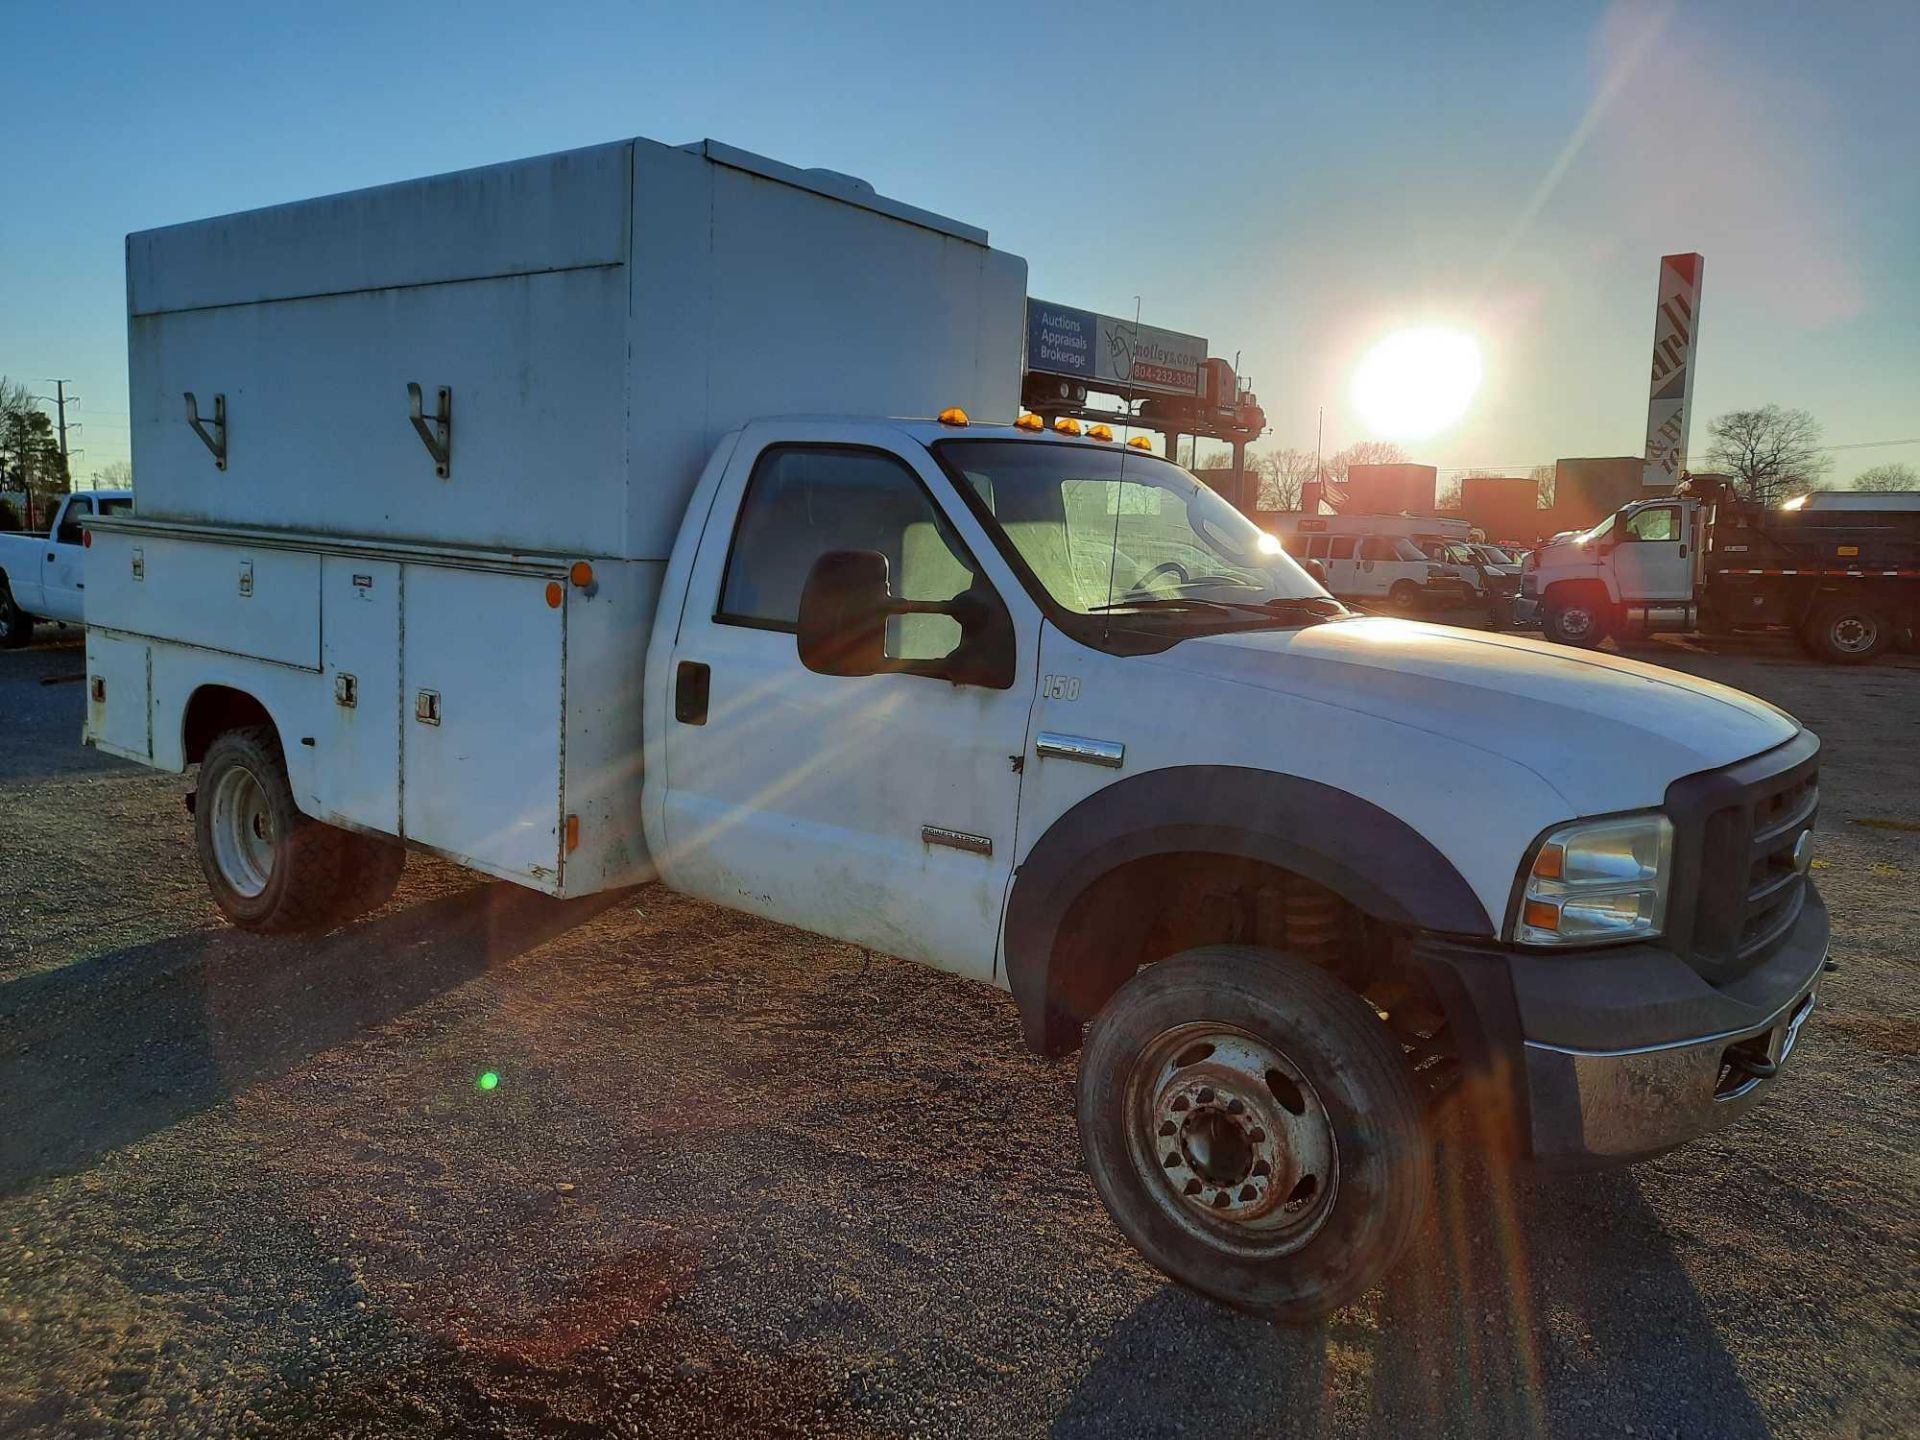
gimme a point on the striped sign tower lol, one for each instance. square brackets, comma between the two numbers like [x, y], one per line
[1670, 395]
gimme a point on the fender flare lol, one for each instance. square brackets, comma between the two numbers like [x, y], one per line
[1367, 856]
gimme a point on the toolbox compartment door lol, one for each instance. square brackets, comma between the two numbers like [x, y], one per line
[481, 723]
[358, 727]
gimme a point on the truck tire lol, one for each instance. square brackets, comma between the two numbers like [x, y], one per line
[16, 626]
[1574, 620]
[1847, 632]
[270, 868]
[1254, 1130]
[373, 868]
[1404, 596]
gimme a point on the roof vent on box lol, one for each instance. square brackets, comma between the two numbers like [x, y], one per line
[841, 178]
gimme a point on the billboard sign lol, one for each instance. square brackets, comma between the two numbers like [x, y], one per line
[1670, 396]
[1110, 354]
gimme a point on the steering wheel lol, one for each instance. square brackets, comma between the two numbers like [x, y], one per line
[1169, 567]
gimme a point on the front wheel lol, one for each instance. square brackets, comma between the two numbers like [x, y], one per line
[16, 626]
[1574, 622]
[1404, 596]
[1252, 1127]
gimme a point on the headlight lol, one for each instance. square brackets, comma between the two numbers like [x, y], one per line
[1597, 880]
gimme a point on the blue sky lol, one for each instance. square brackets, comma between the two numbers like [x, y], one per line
[1289, 181]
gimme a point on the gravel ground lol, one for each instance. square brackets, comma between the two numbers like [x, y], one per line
[736, 1180]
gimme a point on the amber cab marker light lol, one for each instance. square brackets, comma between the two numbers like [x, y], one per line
[1551, 863]
[1100, 432]
[1542, 916]
[555, 594]
[573, 833]
[1066, 425]
[1140, 442]
[954, 415]
[86, 539]
[581, 574]
[1029, 421]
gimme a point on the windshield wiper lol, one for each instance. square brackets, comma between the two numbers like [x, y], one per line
[1181, 602]
[1278, 606]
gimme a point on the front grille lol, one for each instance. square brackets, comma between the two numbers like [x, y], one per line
[1735, 833]
[1776, 889]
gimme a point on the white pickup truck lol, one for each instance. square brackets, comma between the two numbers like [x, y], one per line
[43, 577]
[495, 544]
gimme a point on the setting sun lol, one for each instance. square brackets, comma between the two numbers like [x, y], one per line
[1415, 383]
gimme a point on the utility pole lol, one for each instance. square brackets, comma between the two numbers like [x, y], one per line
[60, 400]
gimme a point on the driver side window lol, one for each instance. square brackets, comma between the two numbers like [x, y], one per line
[803, 501]
[1661, 522]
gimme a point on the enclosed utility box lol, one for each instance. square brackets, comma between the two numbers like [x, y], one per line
[582, 327]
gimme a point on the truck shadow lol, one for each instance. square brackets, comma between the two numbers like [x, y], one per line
[104, 1052]
[1529, 1308]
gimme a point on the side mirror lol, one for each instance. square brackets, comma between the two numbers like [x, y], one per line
[842, 625]
[844, 608]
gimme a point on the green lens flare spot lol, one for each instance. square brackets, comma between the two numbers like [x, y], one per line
[489, 1079]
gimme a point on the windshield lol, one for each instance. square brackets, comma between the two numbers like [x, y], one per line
[1494, 555]
[1105, 531]
[1585, 536]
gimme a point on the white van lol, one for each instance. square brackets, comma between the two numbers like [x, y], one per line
[1361, 566]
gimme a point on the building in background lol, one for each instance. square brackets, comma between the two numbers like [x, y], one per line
[1586, 491]
[1399, 489]
[1502, 507]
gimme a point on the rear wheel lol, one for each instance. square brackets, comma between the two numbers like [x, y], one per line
[1847, 632]
[1252, 1127]
[16, 626]
[270, 867]
[1574, 620]
[1404, 595]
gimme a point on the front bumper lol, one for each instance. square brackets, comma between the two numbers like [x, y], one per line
[1615, 1055]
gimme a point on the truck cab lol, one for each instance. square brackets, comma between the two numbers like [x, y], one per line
[43, 577]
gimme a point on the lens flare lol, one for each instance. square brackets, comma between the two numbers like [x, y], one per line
[489, 1079]
[1415, 383]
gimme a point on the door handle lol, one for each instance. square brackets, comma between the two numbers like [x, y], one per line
[692, 684]
[1683, 552]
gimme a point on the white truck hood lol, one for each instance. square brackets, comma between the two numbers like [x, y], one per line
[1606, 733]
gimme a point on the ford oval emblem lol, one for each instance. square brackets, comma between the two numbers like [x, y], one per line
[1803, 852]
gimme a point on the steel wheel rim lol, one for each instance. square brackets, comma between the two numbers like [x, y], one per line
[1854, 633]
[1576, 621]
[243, 831]
[1231, 1139]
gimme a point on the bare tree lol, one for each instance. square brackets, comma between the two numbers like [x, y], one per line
[1446, 495]
[116, 476]
[1282, 473]
[1773, 453]
[1363, 452]
[1543, 477]
[1895, 476]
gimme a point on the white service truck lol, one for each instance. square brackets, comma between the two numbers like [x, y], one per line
[43, 577]
[545, 517]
